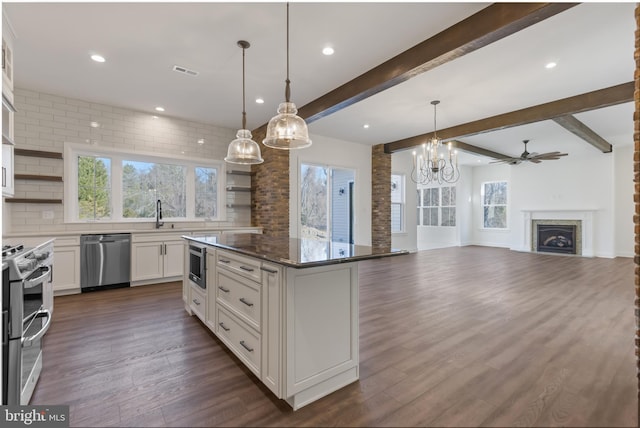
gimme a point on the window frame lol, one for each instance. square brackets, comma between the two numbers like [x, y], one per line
[402, 203]
[71, 210]
[505, 205]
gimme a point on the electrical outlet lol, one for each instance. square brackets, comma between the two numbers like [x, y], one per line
[47, 215]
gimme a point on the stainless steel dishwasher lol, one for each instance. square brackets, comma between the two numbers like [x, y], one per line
[105, 261]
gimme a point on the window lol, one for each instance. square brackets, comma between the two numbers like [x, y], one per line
[144, 183]
[94, 188]
[123, 186]
[206, 192]
[397, 203]
[448, 206]
[430, 201]
[494, 204]
[437, 206]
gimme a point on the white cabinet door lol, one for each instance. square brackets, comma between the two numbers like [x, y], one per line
[66, 269]
[7, 170]
[146, 261]
[173, 258]
[272, 326]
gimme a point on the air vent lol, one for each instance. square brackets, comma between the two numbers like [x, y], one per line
[185, 70]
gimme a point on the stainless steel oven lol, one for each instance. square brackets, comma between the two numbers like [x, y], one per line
[26, 306]
[197, 265]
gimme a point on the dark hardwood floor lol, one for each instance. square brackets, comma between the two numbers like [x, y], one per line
[465, 336]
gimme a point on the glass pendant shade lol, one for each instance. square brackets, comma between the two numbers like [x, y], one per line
[286, 130]
[243, 150]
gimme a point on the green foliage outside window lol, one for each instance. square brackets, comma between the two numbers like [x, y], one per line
[94, 188]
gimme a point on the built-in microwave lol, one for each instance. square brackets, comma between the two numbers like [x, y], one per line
[197, 265]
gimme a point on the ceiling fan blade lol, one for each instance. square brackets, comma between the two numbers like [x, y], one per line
[505, 160]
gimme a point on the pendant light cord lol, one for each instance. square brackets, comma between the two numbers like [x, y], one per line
[287, 89]
[244, 113]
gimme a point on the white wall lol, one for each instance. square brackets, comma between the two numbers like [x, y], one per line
[584, 183]
[342, 154]
[45, 122]
[624, 205]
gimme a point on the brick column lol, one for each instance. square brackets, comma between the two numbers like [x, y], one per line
[380, 197]
[636, 195]
[270, 191]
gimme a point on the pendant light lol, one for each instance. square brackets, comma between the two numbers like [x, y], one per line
[243, 150]
[286, 130]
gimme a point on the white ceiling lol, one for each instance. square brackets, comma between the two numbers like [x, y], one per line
[592, 43]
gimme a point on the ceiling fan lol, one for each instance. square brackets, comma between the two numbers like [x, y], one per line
[530, 157]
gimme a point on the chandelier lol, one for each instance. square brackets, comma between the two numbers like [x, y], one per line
[243, 150]
[435, 164]
[287, 130]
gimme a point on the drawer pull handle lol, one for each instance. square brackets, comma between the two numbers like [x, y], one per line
[245, 346]
[242, 299]
[268, 270]
[196, 302]
[223, 289]
[224, 327]
[248, 269]
[224, 261]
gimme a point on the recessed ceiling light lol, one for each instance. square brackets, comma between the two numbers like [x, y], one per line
[328, 51]
[365, 126]
[155, 117]
[201, 141]
[94, 124]
[259, 101]
[98, 58]
[159, 108]
[550, 65]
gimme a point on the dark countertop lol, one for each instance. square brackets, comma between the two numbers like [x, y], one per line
[294, 252]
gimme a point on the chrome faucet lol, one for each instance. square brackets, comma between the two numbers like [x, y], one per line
[159, 223]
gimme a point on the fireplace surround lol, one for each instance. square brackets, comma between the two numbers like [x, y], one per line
[582, 218]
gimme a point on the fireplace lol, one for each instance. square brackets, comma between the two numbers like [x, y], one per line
[556, 239]
[583, 219]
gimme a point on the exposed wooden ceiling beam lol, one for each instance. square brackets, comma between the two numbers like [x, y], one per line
[577, 104]
[464, 147]
[481, 29]
[573, 125]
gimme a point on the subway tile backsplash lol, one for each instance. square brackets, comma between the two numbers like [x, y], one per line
[45, 122]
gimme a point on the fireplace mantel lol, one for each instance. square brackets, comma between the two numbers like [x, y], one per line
[585, 216]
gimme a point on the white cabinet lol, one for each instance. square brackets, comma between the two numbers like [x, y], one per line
[8, 38]
[295, 329]
[7, 169]
[7, 108]
[156, 258]
[66, 270]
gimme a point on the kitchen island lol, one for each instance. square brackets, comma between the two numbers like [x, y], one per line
[287, 308]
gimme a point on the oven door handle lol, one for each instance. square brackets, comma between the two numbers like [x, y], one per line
[38, 280]
[27, 341]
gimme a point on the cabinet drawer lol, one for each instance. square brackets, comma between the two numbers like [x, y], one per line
[239, 296]
[244, 266]
[198, 302]
[240, 339]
